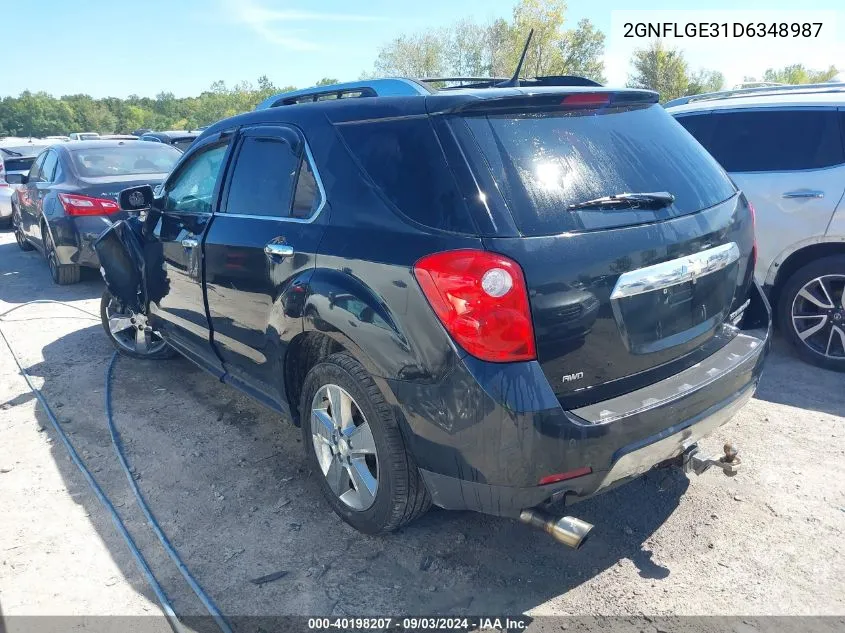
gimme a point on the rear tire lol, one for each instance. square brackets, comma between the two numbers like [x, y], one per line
[20, 238]
[400, 494]
[811, 312]
[62, 274]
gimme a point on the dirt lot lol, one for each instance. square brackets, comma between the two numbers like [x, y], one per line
[227, 481]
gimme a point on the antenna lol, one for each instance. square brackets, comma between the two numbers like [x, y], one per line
[513, 82]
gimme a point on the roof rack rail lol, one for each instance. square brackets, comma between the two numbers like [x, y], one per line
[389, 87]
[753, 92]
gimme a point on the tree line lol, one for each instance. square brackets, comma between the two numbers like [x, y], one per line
[465, 48]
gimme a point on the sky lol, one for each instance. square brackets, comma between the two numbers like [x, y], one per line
[122, 47]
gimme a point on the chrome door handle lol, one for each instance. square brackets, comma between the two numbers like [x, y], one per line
[189, 242]
[804, 193]
[278, 250]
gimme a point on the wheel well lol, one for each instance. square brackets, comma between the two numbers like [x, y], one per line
[799, 259]
[305, 351]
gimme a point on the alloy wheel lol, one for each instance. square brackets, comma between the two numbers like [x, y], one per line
[818, 315]
[132, 331]
[19, 237]
[345, 448]
[52, 259]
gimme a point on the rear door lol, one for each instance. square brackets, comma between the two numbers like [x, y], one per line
[28, 195]
[259, 251]
[621, 295]
[789, 162]
[190, 197]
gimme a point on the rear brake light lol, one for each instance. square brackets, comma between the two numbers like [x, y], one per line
[85, 205]
[482, 301]
[586, 99]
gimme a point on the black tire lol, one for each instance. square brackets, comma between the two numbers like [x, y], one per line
[62, 274]
[20, 238]
[827, 267]
[162, 353]
[401, 495]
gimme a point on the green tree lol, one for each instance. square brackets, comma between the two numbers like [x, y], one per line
[582, 50]
[659, 68]
[327, 81]
[798, 74]
[704, 80]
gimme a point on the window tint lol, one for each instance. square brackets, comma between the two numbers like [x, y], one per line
[48, 169]
[776, 140]
[404, 160]
[545, 161]
[307, 196]
[193, 187]
[35, 170]
[263, 177]
[699, 125]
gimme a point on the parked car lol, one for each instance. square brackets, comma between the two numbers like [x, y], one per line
[69, 197]
[83, 136]
[488, 299]
[784, 147]
[180, 139]
[14, 160]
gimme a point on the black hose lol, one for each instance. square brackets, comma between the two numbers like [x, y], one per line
[169, 613]
[207, 602]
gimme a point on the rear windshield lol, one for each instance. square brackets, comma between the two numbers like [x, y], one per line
[124, 160]
[544, 162]
[18, 164]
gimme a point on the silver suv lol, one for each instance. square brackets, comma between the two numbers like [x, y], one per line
[785, 148]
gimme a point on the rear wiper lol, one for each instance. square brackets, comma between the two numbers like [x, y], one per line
[11, 152]
[650, 200]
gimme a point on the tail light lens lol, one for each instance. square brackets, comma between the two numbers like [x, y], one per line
[482, 300]
[85, 205]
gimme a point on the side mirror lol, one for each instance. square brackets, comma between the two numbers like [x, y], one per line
[136, 198]
[16, 179]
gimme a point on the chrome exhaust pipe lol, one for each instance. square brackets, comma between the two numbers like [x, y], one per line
[570, 531]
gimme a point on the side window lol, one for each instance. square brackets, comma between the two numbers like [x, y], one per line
[263, 177]
[404, 160]
[307, 197]
[776, 140]
[699, 125]
[48, 169]
[35, 170]
[192, 189]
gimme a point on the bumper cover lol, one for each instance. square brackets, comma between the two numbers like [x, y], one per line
[488, 457]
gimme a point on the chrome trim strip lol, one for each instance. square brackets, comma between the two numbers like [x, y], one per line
[675, 271]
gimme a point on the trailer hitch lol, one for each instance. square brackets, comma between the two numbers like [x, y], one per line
[693, 461]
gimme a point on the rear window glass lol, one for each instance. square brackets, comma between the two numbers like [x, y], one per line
[544, 162]
[262, 180]
[404, 160]
[770, 140]
[123, 160]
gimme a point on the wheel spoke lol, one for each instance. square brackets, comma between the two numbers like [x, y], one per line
[337, 477]
[805, 294]
[363, 481]
[361, 439]
[341, 405]
[119, 324]
[142, 341]
[841, 333]
[826, 293]
[324, 426]
[813, 329]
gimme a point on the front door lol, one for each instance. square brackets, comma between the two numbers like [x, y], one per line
[176, 297]
[28, 199]
[259, 250]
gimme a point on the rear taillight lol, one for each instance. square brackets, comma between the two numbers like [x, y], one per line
[86, 205]
[482, 300]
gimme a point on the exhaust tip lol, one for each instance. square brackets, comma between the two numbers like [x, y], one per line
[569, 531]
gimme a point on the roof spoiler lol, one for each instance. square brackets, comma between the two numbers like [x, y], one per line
[564, 99]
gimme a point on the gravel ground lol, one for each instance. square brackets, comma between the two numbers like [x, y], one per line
[228, 482]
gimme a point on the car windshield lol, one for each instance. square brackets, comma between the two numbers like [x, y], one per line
[124, 160]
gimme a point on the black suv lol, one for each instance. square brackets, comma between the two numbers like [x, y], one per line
[488, 299]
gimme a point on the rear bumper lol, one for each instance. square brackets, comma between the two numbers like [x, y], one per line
[489, 451]
[74, 239]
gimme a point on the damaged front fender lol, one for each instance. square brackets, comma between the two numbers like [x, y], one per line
[132, 263]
